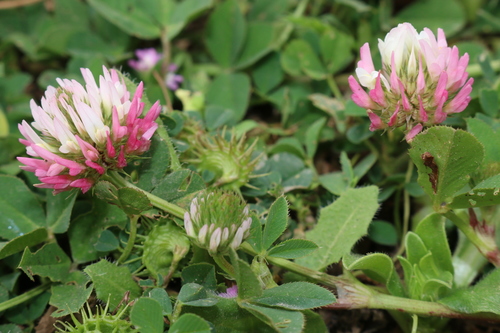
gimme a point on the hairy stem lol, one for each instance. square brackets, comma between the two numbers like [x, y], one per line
[131, 239]
[24, 297]
[156, 201]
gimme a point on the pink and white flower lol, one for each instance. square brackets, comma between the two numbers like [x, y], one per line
[421, 82]
[146, 59]
[83, 131]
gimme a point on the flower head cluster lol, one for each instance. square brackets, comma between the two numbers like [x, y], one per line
[172, 80]
[421, 82]
[218, 221]
[146, 59]
[85, 131]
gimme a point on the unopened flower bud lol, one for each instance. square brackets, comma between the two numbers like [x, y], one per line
[230, 160]
[162, 244]
[218, 221]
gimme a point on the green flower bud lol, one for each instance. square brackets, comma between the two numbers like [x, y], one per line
[231, 161]
[161, 247]
[100, 322]
[218, 221]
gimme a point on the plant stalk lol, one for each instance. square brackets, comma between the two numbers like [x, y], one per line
[131, 239]
[24, 297]
[156, 201]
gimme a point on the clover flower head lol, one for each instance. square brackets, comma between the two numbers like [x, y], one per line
[421, 82]
[146, 59]
[231, 292]
[218, 221]
[172, 80]
[82, 131]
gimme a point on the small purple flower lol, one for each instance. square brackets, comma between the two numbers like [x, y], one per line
[231, 292]
[173, 80]
[147, 59]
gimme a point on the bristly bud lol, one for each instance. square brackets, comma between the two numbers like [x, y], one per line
[230, 160]
[161, 246]
[421, 82]
[218, 221]
[86, 130]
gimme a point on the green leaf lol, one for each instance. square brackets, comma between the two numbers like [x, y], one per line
[182, 13]
[485, 133]
[336, 50]
[21, 212]
[383, 232]
[59, 208]
[267, 73]
[107, 242]
[445, 159]
[482, 297]
[258, 43]
[292, 169]
[289, 145]
[86, 229]
[489, 101]
[152, 168]
[334, 182]
[217, 116]
[202, 274]
[50, 261]
[284, 321]
[248, 284]
[312, 136]
[132, 201]
[328, 104]
[296, 296]
[179, 184]
[230, 91]
[111, 282]
[131, 16]
[415, 248]
[190, 323]
[146, 315]
[276, 222]
[299, 56]
[162, 297]
[293, 248]
[225, 33]
[18, 244]
[446, 14]
[483, 194]
[379, 267]
[68, 298]
[314, 322]
[194, 294]
[340, 226]
[433, 234]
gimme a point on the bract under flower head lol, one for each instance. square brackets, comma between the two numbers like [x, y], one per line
[421, 82]
[218, 221]
[83, 131]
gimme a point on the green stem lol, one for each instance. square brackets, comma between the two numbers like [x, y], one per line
[299, 11]
[485, 248]
[356, 295]
[158, 202]
[467, 262]
[24, 297]
[224, 264]
[334, 88]
[406, 208]
[131, 239]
